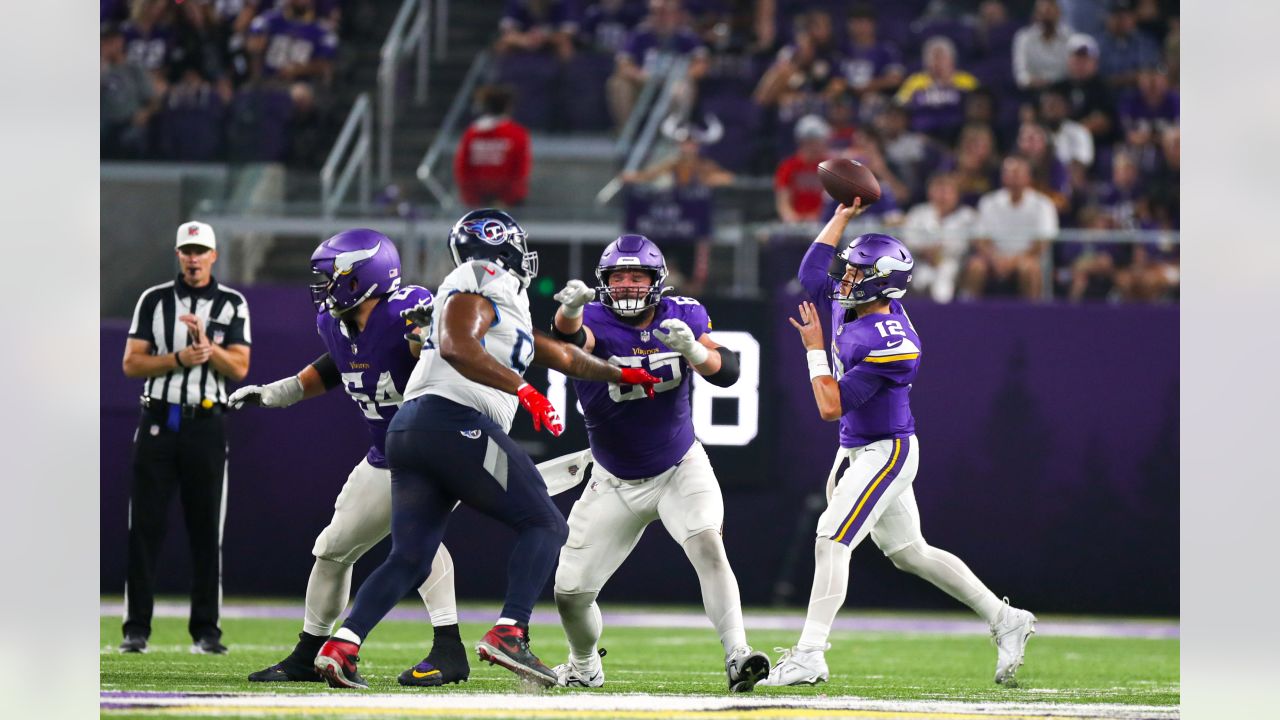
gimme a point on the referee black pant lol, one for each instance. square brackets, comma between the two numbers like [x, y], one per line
[191, 460]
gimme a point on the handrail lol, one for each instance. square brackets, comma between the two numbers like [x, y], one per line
[674, 72]
[657, 77]
[333, 190]
[408, 33]
[444, 136]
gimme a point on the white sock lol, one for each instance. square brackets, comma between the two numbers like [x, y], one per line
[328, 590]
[437, 590]
[345, 634]
[580, 616]
[951, 575]
[719, 587]
[505, 621]
[830, 583]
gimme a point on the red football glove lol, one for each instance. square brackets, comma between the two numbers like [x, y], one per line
[641, 377]
[543, 412]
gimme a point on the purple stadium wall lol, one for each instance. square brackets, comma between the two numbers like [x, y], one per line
[1049, 462]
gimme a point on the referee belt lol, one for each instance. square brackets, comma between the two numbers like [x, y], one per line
[160, 408]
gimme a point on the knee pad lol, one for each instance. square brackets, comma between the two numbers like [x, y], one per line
[706, 550]
[574, 600]
[571, 578]
[908, 557]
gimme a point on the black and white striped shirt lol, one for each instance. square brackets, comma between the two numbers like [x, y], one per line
[155, 319]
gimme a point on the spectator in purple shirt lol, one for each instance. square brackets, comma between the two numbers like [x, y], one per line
[606, 25]
[665, 32]
[1124, 48]
[149, 36]
[291, 46]
[935, 96]
[537, 26]
[1150, 108]
[869, 65]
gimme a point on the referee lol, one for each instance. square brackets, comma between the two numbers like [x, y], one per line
[188, 337]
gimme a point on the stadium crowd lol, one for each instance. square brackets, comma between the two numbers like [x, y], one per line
[991, 124]
[213, 80]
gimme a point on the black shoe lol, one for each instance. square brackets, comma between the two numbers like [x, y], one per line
[133, 643]
[447, 663]
[299, 666]
[508, 646]
[208, 645]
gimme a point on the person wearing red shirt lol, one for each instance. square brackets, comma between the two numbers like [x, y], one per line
[797, 189]
[493, 158]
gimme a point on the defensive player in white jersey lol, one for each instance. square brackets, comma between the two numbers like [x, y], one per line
[448, 443]
[359, 304]
[876, 353]
[648, 465]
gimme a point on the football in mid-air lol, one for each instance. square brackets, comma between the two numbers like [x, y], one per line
[846, 179]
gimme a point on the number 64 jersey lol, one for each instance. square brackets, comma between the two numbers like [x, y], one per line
[509, 340]
[631, 436]
[375, 364]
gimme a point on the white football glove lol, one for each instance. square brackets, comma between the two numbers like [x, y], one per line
[574, 295]
[679, 337]
[279, 394]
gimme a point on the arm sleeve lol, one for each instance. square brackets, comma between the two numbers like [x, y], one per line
[729, 370]
[813, 271]
[858, 386]
[328, 371]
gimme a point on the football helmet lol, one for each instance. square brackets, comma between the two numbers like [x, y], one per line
[352, 266]
[886, 265]
[631, 252]
[492, 234]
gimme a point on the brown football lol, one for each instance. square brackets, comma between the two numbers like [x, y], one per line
[846, 179]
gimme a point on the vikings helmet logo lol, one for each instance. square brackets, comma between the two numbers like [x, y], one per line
[488, 230]
[345, 262]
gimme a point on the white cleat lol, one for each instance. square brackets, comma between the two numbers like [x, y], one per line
[798, 667]
[1010, 633]
[570, 675]
[745, 667]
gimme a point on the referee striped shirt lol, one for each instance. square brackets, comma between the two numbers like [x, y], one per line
[155, 319]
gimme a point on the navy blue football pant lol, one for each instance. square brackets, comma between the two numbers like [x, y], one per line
[441, 453]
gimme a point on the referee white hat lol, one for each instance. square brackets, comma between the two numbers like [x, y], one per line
[196, 233]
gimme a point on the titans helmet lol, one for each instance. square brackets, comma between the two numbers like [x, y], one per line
[631, 252]
[352, 266]
[493, 235]
[886, 269]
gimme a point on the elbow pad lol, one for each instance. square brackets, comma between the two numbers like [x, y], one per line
[328, 371]
[729, 369]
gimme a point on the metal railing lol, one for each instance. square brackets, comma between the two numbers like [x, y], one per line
[409, 36]
[657, 78]
[669, 76]
[446, 136]
[355, 143]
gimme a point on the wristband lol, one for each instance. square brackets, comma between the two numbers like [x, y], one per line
[818, 366]
[571, 312]
[177, 359]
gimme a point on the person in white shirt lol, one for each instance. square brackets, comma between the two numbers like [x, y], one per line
[1015, 224]
[1072, 142]
[1040, 49]
[938, 233]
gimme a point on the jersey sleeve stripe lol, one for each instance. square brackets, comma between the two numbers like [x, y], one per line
[891, 358]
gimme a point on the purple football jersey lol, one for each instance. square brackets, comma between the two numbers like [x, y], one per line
[376, 363]
[632, 436]
[149, 48]
[292, 42]
[885, 346]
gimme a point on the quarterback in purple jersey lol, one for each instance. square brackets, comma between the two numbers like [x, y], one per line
[361, 310]
[648, 465]
[876, 353]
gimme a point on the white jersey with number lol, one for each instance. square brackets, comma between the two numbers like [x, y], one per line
[509, 340]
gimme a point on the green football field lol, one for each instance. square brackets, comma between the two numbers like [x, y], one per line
[1075, 667]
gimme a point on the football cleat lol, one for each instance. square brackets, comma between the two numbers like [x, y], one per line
[1010, 633]
[208, 645]
[570, 674]
[287, 671]
[134, 643]
[337, 662]
[508, 646]
[798, 667]
[745, 667]
[446, 663]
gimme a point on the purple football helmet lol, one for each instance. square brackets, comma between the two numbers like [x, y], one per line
[631, 252]
[886, 266]
[352, 266]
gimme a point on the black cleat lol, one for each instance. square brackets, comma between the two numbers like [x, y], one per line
[208, 645]
[297, 667]
[446, 663]
[134, 643]
[508, 646]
